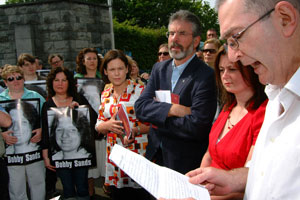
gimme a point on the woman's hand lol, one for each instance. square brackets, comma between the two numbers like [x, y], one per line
[38, 135]
[112, 125]
[8, 138]
[115, 126]
[74, 104]
[134, 132]
[128, 141]
[48, 165]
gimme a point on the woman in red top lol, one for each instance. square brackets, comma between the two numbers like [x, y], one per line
[233, 135]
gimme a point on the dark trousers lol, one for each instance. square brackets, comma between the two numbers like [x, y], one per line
[74, 181]
[4, 179]
[50, 181]
[158, 158]
[128, 193]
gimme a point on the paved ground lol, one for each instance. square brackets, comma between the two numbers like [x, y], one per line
[99, 194]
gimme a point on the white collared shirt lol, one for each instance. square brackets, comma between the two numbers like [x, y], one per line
[275, 166]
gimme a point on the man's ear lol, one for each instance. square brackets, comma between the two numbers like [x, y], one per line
[288, 17]
[197, 41]
[105, 72]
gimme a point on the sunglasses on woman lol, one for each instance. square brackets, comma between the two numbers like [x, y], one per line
[163, 53]
[10, 79]
[211, 51]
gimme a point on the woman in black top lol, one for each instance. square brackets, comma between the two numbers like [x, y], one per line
[62, 92]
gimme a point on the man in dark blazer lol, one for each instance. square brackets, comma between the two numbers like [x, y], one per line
[178, 137]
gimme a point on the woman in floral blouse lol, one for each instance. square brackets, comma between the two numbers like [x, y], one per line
[116, 70]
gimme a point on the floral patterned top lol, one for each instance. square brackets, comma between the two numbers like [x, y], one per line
[114, 176]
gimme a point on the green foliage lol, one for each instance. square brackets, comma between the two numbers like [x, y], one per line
[142, 42]
[156, 13]
[208, 17]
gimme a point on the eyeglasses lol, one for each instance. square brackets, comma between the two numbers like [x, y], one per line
[180, 33]
[56, 62]
[233, 40]
[10, 79]
[163, 53]
[211, 51]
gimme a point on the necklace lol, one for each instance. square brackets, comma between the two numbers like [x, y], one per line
[230, 125]
[61, 100]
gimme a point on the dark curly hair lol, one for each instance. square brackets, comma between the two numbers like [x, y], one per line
[80, 121]
[29, 111]
[72, 90]
[112, 55]
[80, 68]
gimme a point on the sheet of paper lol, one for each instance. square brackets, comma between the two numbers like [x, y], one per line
[176, 185]
[137, 167]
[159, 181]
[163, 96]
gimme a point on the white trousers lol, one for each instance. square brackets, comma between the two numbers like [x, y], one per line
[99, 170]
[34, 173]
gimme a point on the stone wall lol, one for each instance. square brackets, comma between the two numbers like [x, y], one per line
[52, 26]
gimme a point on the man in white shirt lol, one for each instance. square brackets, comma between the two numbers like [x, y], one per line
[266, 35]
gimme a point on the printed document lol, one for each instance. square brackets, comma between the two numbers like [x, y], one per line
[159, 181]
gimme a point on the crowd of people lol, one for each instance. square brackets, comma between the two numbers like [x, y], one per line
[231, 126]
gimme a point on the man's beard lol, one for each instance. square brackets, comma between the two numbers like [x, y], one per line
[183, 53]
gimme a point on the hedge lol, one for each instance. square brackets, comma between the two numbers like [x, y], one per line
[143, 43]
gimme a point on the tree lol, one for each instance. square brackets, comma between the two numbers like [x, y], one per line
[155, 13]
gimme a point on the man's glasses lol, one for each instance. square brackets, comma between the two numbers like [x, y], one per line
[10, 79]
[180, 33]
[233, 40]
[211, 51]
[56, 62]
[163, 53]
